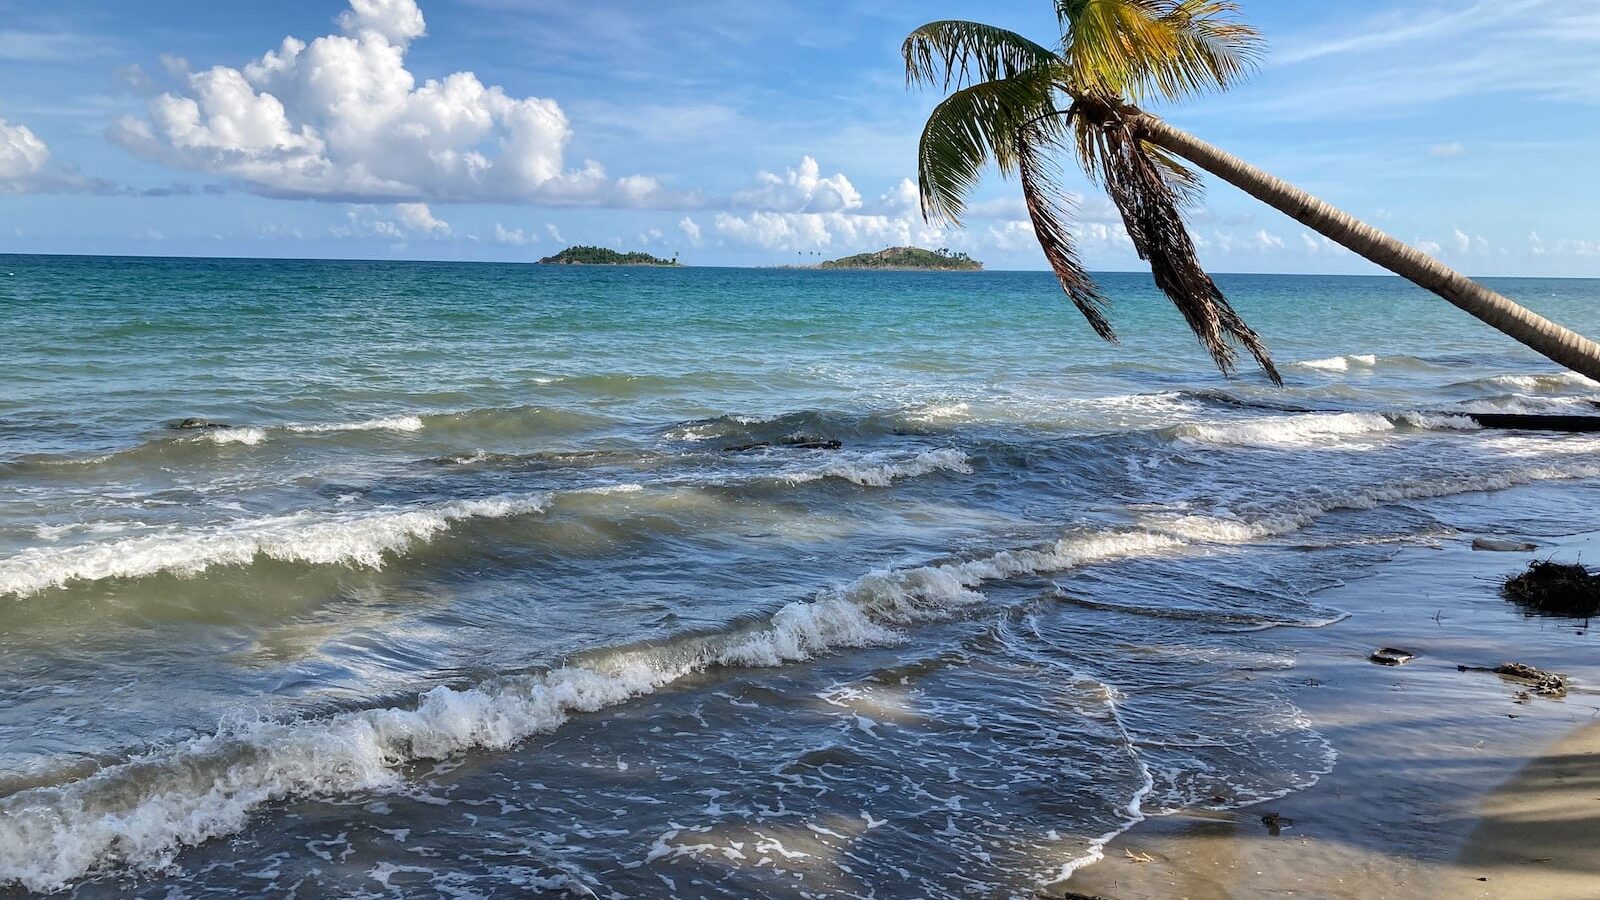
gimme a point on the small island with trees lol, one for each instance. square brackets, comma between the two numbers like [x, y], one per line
[908, 258]
[603, 256]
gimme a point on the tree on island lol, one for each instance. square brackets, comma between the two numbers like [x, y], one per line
[605, 256]
[1020, 104]
[941, 260]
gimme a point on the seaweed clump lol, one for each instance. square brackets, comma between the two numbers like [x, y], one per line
[1556, 589]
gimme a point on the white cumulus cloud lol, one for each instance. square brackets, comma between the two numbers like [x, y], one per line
[513, 236]
[803, 210]
[902, 200]
[690, 229]
[1266, 240]
[419, 218]
[800, 189]
[396, 222]
[26, 166]
[814, 231]
[343, 118]
[22, 155]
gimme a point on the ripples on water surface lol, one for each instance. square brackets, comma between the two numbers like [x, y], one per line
[504, 579]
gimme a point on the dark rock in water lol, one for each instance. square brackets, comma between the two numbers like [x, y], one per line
[1497, 545]
[1389, 656]
[799, 443]
[1525, 422]
[188, 424]
[816, 444]
[1555, 589]
[1275, 823]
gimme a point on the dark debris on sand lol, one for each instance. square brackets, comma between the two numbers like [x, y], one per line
[1537, 681]
[1556, 589]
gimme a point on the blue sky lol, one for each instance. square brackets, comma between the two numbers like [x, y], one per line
[740, 133]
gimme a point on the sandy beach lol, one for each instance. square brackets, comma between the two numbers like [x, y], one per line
[1447, 783]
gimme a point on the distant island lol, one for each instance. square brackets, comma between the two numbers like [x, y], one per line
[602, 256]
[941, 260]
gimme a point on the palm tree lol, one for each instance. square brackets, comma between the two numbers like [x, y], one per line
[1018, 103]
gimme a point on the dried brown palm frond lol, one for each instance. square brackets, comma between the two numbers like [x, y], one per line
[1041, 191]
[1143, 188]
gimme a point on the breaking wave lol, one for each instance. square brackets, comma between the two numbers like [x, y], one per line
[391, 423]
[1561, 382]
[1340, 363]
[365, 539]
[236, 435]
[1310, 429]
[361, 540]
[876, 471]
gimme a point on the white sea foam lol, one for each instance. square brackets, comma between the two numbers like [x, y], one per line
[57, 532]
[940, 412]
[1564, 381]
[880, 470]
[1295, 516]
[1519, 403]
[356, 540]
[142, 812]
[1340, 363]
[390, 423]
[705, 431]
[1437, 421]
[236, 435]
[1312, 429]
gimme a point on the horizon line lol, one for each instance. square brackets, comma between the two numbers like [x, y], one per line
[682, 265]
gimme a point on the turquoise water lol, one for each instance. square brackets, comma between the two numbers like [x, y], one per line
[491, 580]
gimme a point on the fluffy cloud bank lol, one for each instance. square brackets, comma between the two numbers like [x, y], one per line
[399, 222]
[803, 210]
[342, 118]
[801, 189]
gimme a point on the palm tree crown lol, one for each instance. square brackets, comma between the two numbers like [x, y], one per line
[1019, 104]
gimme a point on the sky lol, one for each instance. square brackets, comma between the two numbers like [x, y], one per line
[732, 132]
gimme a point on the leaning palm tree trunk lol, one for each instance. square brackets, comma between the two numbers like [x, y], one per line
[1554, 341]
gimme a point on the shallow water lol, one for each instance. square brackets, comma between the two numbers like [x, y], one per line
[503, 578]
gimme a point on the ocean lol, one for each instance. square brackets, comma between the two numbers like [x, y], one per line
[499, 580]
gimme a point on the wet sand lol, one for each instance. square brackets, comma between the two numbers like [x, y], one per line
[1447, 785]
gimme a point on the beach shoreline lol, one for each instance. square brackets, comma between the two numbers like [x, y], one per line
[1447, 784]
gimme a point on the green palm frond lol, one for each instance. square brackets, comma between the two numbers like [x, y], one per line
[1214, 49]
[954, 54]
[1137, 48]
[976, 125]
